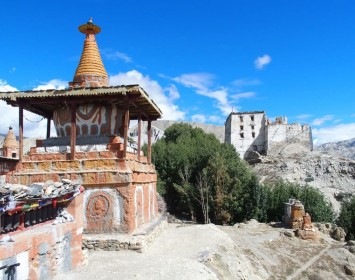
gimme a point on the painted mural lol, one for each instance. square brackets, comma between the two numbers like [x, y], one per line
[91, 120]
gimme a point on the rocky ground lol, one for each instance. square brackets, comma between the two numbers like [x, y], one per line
[334, 176]
[245, 251]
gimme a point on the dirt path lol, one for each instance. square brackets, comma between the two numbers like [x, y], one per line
[199, 252]
[307, 264]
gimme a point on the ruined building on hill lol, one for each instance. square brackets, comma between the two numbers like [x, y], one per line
[253, 131]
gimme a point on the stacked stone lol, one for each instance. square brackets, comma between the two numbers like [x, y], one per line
[16, 197]
[63, 217]
[297, 214]
[308, 231]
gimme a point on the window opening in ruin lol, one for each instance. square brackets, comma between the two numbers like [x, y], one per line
[13, 155]
[252, 127]
[242, 135]
[252, 118]
[241, 118]
[241, 127]
[253, 134]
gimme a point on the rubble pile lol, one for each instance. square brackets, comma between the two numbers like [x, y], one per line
[16, 197]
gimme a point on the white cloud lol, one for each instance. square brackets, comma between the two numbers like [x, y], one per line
[116, 55]
[303, 116]
[198, 118]
[155, 91]
[9, 114]
[33, 124]
[322, 120]
[246, 82]
[225, 109]
[200, 81]
[203, 83]
[247, 94]
[262, 61]
[52, 84]
[5, 87]
[335, 133]
[173, 92]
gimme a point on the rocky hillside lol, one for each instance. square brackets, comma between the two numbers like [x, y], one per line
[161, 125]
[333, 176]
[341, 149]
[217, 130]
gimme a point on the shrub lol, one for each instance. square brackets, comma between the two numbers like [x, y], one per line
[346, 218]
[314, 202]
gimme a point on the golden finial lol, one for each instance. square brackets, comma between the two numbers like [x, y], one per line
[89, 28]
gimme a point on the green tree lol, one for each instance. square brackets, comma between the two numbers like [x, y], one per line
[314, 201]
[203, 178]
[346, 218]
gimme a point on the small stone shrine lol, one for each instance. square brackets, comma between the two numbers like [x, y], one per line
[10, 146]
[296, 217]
[90, 155]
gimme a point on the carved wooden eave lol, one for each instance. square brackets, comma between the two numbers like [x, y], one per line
[45, 102]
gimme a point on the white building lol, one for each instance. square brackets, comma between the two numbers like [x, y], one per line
[246, 132]
[252, 131]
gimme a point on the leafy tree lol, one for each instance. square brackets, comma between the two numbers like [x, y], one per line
[201, 177]
[314, 201]
[205, 180]
[346, 218]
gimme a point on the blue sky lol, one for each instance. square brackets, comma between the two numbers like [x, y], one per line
[198, 60]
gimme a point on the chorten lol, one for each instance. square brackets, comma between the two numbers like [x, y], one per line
[11, 146]
[10, 140]
[91, 146]
[90, 71]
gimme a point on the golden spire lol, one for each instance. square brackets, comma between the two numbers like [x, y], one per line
[91, 71]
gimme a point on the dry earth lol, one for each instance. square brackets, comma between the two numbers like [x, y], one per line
[245, 251]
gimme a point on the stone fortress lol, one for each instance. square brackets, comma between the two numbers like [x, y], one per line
[252, 132]
[248, 132]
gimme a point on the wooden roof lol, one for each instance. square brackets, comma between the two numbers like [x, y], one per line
[45, 102]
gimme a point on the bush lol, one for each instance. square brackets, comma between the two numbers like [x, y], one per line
[202, 178]
[206, 181]
[314, 202]
[346, 218]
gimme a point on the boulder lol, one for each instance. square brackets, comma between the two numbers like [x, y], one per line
[338, 234]
[349, 269]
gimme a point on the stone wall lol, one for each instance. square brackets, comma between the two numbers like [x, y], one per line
[41, 251]
[120, 191]
[278, 135]
[137, 241]
[251, 131]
